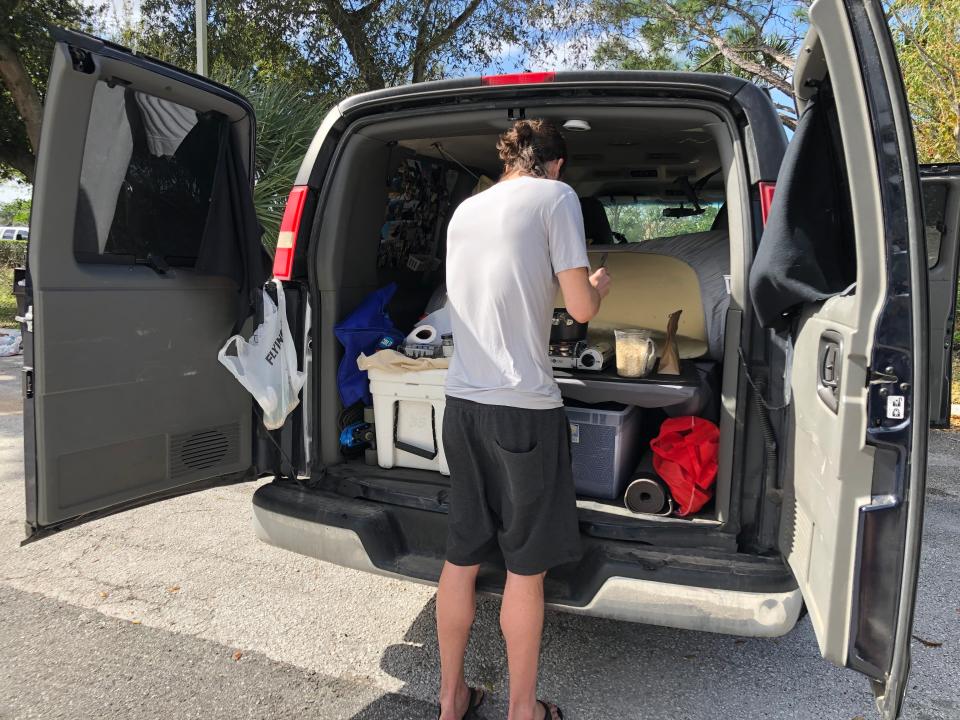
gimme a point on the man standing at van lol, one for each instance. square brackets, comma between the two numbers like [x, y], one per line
[505, 431]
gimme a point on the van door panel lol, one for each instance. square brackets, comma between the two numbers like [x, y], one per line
[129, 402]
[941, 196]
[855, 467]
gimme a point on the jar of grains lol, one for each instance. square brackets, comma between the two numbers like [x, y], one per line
[636, 352]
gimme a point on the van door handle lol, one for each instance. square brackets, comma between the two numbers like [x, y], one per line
[830, 368]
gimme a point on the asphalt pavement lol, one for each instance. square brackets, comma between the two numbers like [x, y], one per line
[175, 610]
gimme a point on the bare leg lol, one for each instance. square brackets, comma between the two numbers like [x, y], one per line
[521, 619]
[456, 606]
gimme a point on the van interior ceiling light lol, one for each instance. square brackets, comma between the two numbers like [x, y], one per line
[576, 125]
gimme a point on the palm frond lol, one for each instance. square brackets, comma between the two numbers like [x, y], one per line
[288, 116]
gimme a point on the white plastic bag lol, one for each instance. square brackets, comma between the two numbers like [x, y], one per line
[266, 365]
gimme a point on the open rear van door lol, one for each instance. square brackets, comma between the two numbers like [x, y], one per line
[852, 296]
[941, 203]
[143, 178]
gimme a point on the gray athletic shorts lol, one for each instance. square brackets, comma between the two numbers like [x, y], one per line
[511, 486]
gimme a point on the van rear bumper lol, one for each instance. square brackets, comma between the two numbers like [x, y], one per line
[613, 582]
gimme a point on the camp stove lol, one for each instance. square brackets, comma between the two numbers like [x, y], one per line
[580, 355]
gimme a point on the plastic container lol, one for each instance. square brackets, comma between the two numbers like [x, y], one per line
[408, 417]
[606, 447]
[636, 352]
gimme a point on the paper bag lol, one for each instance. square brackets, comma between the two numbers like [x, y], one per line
[392, 361]
[669, 355]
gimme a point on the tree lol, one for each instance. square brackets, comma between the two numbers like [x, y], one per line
[644, 221]
[15, 212]
[927, 36]
[25, 51]
[266, 39]
[287, 118]
[338, 47]
[755, 39]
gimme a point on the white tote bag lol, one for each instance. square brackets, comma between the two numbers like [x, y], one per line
[266, 365]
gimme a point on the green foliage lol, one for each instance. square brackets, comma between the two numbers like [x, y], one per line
[15, 212]
[755, 40]
[287, 119]
[263, 39]
[13, 253]
[8, 301]
[927, 36]
[644, 221]
[24, 28]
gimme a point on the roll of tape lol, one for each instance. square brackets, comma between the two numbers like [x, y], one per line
[423, 335]
[590, 359]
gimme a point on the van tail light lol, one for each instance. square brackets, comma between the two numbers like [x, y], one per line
[523, 78]
[289, 229]
[766, 199]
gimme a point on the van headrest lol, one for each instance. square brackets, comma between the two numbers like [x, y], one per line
[596, 224]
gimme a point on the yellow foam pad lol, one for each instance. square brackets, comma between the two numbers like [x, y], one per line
[645, 289]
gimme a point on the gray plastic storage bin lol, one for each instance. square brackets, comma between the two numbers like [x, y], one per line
[606, 445]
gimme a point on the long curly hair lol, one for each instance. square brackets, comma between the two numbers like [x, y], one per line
[529, 144]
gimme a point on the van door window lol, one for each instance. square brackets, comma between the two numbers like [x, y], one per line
[145, 183]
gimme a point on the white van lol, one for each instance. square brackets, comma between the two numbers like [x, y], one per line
[819, 380]
[14, 233]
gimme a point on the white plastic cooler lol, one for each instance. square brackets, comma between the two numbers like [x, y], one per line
[408, 416]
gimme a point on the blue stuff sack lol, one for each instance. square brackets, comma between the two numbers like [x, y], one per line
[366, 330]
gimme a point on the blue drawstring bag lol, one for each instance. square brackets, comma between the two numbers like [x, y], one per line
[365, 330]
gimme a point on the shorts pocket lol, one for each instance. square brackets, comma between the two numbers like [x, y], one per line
[522, 474]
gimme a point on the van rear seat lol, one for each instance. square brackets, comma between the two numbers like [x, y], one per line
[646, 289]
[682, 272]
[708, 253]
[657, 277]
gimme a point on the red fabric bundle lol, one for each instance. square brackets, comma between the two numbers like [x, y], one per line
[685, 457]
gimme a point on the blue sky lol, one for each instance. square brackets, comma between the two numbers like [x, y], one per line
[10, 191]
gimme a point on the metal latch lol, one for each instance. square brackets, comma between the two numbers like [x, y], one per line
[27, 383]
[889, 375]
[26, 318]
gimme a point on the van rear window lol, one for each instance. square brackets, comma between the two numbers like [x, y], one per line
[146, 179]
[645, 219]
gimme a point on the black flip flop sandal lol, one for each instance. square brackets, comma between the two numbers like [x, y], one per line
[477, 696]
[548, 708]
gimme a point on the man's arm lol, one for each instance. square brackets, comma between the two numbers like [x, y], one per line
[582, 293]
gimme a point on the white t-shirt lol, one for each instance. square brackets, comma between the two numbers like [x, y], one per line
[504, 249]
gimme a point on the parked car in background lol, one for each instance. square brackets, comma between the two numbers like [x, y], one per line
[14, 233]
